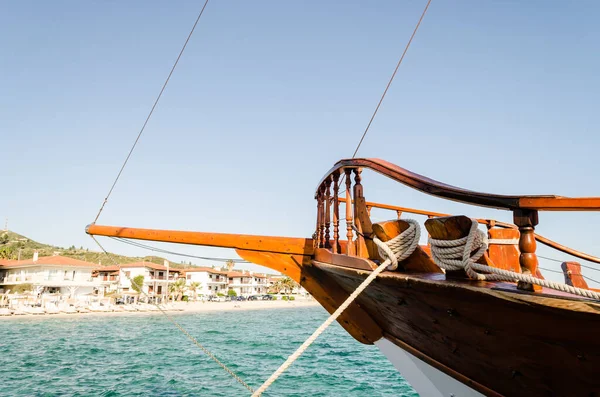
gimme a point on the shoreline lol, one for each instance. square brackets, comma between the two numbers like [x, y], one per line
[181, 308]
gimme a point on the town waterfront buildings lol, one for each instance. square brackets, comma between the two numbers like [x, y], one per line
[73, 277]
[49, 274]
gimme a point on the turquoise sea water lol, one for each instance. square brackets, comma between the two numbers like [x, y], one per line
[146, 356]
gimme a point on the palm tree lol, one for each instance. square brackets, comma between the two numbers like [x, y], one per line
[177, 288]
[276, 287]
[289, 285]
[194, 285]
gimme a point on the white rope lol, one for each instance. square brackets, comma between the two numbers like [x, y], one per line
[463, 253]
[392, 251]
[503, 241]
[404, 243]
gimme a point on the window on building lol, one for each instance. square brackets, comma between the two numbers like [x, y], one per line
[127, 274]
[160, 274]
[188, 276]
[210, 276]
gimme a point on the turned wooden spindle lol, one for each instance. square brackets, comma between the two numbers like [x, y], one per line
[526, 220]
[336, 212]
[369, 208]
[327, 211]
[362, 220]
[399, 214]
[316, 238]
[349, 232]
[322, 210]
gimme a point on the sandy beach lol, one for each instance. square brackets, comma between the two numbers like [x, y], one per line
[185, 307]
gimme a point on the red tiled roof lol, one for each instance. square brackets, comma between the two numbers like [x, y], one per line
[49, 260]
[107, 269]
[246, 273]
[149, 265]
[203, 269]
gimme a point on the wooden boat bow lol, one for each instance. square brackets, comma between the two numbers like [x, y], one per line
[498, 338]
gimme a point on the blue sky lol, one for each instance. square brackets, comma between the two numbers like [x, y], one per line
[497, 96]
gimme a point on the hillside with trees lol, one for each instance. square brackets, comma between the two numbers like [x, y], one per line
[15, 246]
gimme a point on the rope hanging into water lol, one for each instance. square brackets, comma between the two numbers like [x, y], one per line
[175, 323]
[394, 252]
[151, 111]
[464, 253]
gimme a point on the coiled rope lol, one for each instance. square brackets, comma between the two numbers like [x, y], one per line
[394, 251]
[463, 253]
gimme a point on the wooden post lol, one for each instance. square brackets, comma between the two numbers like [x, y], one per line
[451, 228]
[364, 247]
[327, 211]
[369, 208]
[320, 218]
[349, 232]
[322, 210]
[316, 235]
[336, 212]
[428, 235]
[573, 276]
[399, 213]
[526, 220]
[358, 201]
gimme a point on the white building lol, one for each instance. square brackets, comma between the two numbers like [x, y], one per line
[49, 274]
[118, 278]
[246, 283]
[212, 281]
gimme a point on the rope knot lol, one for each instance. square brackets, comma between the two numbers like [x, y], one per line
[461, 253]
[400, 247]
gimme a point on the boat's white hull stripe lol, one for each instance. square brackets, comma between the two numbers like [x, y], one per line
[425, 379]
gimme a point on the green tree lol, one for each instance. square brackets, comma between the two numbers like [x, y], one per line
[6, 252]
[231, 293]
[177, 288]
[18, 289]
[289, 285]
[4, 238]
[194, 288]
[138, 283]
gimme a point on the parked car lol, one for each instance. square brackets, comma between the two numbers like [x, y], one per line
[267, 297]
[253, 298]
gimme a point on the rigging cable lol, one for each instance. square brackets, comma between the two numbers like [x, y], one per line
[391, 258]
[559, 261]
[163, 251]
[387, 87]
[151, 111]
[392, 78]
[175, 323]
[575, 274]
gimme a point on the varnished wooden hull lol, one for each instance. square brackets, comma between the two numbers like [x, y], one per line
[488, 336]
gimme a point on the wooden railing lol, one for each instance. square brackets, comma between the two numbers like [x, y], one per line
[525, 209]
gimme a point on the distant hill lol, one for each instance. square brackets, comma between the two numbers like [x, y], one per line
[15, 246]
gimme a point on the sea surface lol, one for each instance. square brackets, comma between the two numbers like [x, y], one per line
[147, 356]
